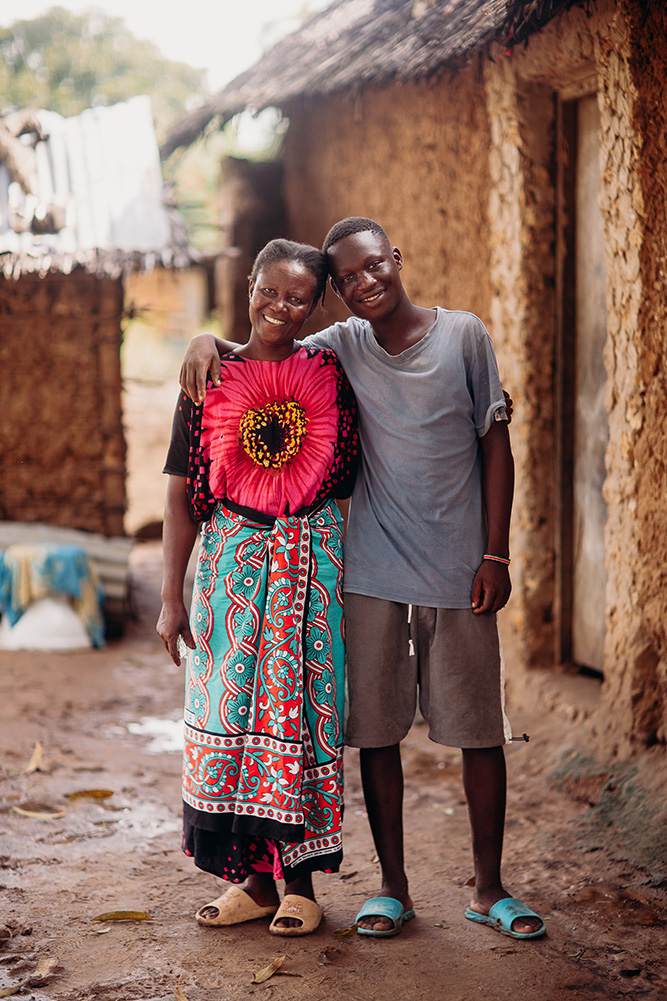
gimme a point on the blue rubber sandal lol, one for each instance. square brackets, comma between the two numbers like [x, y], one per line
[503, 913]
[384, 907]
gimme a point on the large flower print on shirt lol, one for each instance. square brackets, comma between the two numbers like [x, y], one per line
[269, 432]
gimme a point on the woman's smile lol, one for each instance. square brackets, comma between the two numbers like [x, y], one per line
[282, 297]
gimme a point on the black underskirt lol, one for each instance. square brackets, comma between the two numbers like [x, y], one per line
[234, 856]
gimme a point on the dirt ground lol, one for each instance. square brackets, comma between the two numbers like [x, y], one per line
[109, 721]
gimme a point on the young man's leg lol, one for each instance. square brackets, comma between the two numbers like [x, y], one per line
[485, 784]
[462, 699]
[382, 691]
[382, 779]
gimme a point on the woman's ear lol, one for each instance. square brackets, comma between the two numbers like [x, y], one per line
[251, 287]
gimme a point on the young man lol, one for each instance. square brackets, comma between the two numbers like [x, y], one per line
[427, 557]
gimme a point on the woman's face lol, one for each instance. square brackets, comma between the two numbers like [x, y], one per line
[282, 297]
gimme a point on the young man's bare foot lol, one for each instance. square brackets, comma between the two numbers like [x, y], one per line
[524, 925]
[378, 923]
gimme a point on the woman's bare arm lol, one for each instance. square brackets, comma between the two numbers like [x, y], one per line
[178, 538]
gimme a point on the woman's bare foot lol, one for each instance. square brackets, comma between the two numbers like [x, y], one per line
[260, 886]
[302, 887]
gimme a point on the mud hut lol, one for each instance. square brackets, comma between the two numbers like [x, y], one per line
[81, 206]
[515, 151]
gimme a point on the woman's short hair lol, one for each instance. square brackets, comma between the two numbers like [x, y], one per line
[312, 259]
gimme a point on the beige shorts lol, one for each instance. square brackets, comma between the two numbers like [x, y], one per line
[451, 656]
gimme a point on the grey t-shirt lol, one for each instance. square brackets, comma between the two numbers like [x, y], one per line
[416, 531]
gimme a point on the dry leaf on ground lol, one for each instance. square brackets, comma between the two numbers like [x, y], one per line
[123, 916]
[90, 794]
[39, 811]
[45, 968]
[327, 955]
[35, 763]
[268, 971]
[178, 993]
[346, 932]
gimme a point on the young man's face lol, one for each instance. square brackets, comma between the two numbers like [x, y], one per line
[365, 273]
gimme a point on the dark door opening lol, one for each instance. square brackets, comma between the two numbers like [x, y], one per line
[583, 425]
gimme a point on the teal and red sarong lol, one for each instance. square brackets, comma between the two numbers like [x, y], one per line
[264, 695]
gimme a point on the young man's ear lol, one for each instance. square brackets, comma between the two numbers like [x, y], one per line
[398, 257]
[332, 286]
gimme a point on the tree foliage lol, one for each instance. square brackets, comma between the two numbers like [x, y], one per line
[67, 62]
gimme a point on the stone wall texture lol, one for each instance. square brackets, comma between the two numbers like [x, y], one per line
[625, 45]
[414, 158]
[62, 450]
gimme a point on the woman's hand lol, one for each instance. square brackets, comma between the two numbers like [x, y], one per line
[172, 624]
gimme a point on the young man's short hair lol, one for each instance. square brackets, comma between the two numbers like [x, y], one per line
[347, 227]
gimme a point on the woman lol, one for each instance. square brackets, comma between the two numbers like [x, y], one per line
[259, 464]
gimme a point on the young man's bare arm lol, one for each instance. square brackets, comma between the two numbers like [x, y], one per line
[202, 356]
[491, 587]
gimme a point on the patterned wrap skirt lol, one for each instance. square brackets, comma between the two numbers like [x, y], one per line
[262, 767]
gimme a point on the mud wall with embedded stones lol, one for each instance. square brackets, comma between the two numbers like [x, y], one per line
[624, 46]
[415, 158]
[462, 173]
[635, 191]
[62, 449]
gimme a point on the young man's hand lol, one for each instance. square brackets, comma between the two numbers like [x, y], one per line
[491, 587]
[201, 358]
[509, 405]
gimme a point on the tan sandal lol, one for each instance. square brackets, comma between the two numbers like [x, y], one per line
[233, 907]
[307, 911]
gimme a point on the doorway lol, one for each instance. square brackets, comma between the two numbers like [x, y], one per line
[581, 377]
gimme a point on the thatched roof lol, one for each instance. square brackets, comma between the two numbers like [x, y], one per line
[86, 191]
[360, 43]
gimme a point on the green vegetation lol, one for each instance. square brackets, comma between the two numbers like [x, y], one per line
[67, 62]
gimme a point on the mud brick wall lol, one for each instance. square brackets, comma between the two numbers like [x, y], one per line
[62, 450]
[415, 158]
[636, 198]
[624, 45]
[462, 173]
[521, 220]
